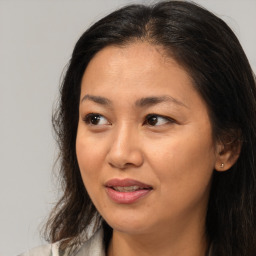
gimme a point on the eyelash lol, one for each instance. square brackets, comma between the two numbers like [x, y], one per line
[88, 119]
[156, 116]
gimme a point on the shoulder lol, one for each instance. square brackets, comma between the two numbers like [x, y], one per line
[94, 246]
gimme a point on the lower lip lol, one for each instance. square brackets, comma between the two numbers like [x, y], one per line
[126, 197]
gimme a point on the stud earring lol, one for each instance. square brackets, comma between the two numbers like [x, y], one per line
[221, 165]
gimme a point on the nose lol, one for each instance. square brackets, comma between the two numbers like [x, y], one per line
[125, 150]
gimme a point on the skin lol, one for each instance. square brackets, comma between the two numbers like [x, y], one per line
[175, 155]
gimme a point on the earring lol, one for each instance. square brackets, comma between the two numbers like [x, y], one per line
[221, 165]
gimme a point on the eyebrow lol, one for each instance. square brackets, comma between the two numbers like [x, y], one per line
[143, 102]
[150, 101]
[97, 99]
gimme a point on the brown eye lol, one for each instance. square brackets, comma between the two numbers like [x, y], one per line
[152, 120]
[95, 119]
[156, 120]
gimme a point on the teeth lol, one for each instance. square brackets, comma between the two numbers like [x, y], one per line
[126, 189]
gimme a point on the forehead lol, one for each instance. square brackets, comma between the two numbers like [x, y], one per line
[136, 63]
[139, 57]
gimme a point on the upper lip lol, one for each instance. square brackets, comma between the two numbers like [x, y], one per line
[126, 183]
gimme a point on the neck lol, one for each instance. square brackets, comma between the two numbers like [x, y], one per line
[193, 243]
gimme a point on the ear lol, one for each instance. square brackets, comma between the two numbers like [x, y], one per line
[227, 154]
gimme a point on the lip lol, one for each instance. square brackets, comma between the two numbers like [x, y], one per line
[126, 197]
[126, 183]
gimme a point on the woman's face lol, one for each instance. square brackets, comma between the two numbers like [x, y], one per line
[144, 141]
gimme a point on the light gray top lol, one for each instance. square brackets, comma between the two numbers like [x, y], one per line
[92, 247]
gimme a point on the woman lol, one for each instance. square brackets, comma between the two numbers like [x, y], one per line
[156, 128]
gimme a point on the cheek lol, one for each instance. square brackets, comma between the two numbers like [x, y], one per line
[88, 162]
[88, 157]
[183, 151]
[89, 149]
[185, 163]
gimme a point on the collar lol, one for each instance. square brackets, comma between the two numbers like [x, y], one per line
[94, 246]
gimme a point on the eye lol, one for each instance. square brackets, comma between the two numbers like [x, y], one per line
[95, 119]
[156, 120]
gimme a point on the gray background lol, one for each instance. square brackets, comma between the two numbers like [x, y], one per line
[36, 41]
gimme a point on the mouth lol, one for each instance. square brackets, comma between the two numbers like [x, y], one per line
[126, 191]
[127, 185]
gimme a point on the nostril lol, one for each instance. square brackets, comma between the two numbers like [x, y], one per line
[120, 166]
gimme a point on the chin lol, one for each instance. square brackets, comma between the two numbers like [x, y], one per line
[129, 225]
